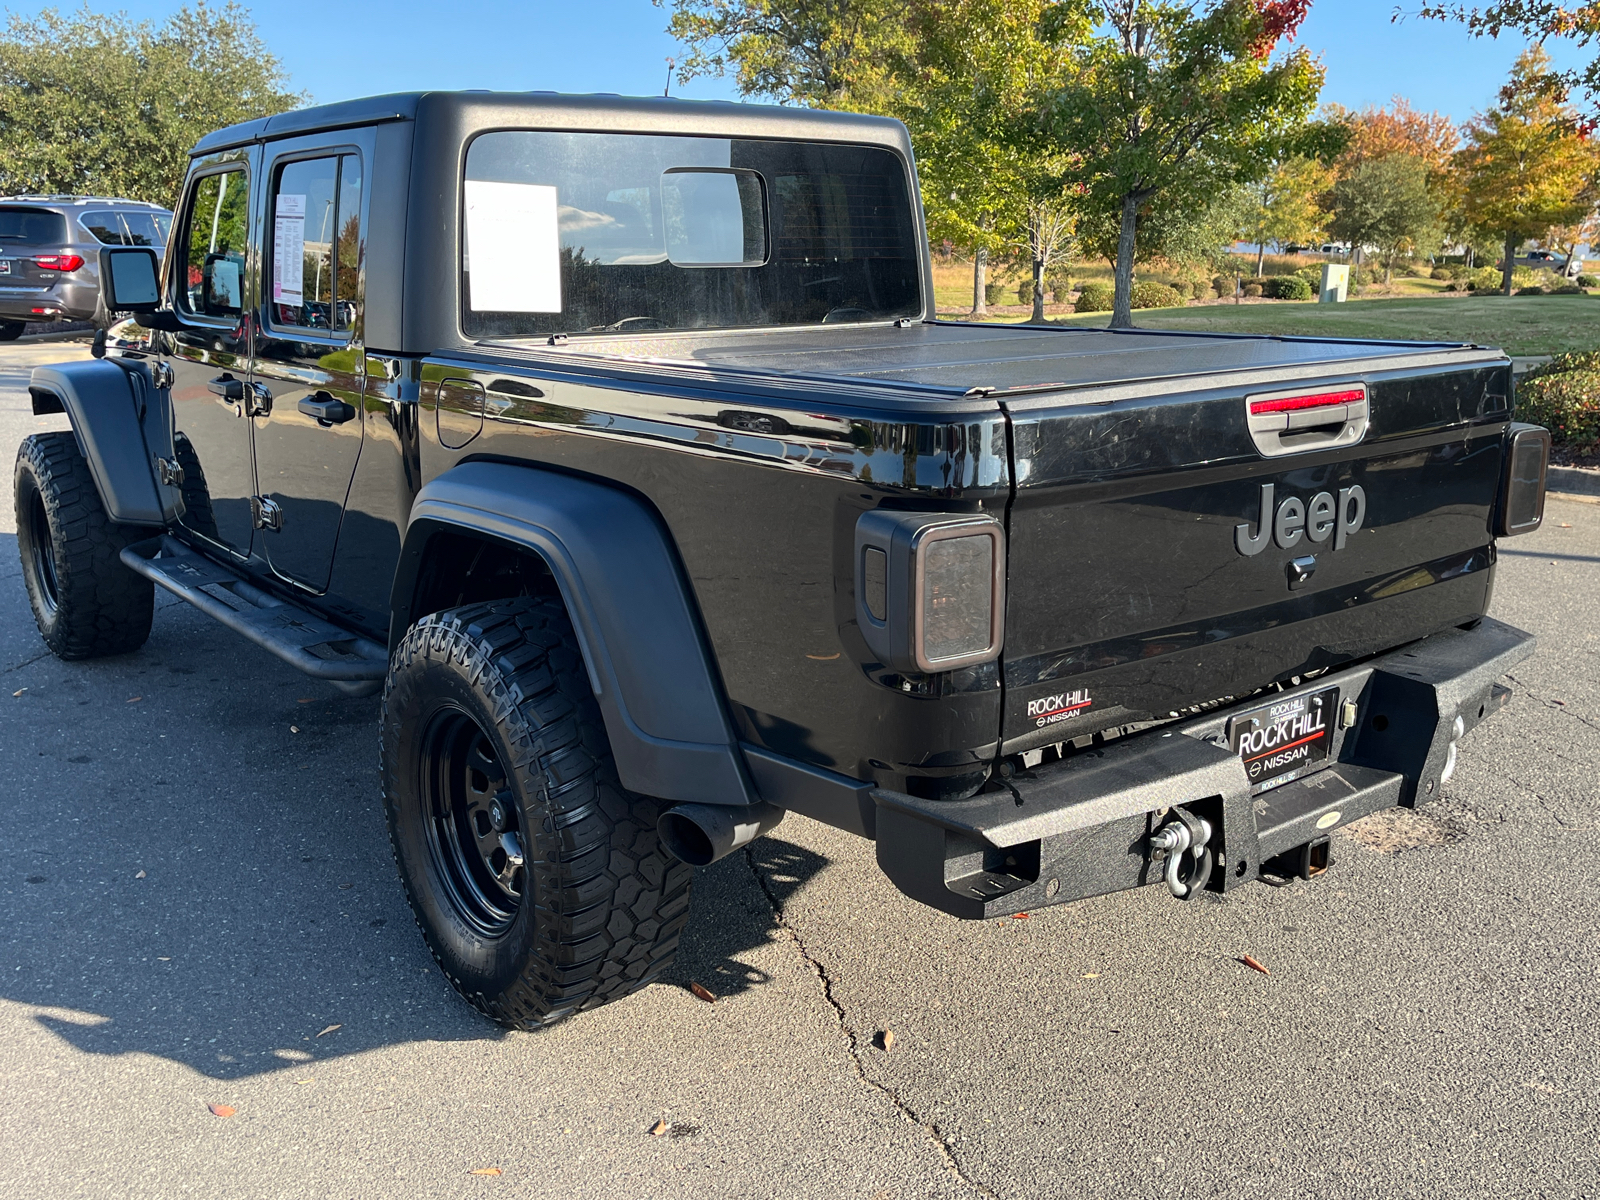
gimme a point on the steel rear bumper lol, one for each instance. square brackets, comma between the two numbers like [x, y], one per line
[1081, 827]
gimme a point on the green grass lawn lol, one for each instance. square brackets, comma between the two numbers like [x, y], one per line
[1517, 324]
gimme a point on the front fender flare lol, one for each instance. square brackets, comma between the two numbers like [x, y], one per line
[648, 662]
[123, 424]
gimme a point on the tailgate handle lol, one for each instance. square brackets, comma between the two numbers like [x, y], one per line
[1296, 422]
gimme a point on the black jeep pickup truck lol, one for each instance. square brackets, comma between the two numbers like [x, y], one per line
[616, 442]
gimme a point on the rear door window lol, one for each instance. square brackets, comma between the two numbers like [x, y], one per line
[595, 232]
[316, 238]
[107, 228]
[214, 245]
[142, 229]
[31, 227]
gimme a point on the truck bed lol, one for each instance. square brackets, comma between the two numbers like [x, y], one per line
[955, 358]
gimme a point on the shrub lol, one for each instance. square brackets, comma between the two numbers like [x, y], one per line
[1154, 295]
[1533, 289]
[1025, 292]
[1285, 287]
[1564, 397]
[1441, 273]
[1060, 283]
[1588, 281]
[1484, 279]
[1222, 286]
[1095, 297]
[992, 292]
[1568, 289]
[1313, 278]
[1252, 289]
[1200, 289]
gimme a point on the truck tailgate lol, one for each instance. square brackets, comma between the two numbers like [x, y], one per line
[1141, 582]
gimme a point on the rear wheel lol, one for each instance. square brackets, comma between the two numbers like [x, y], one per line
[540, 885]
[86, 603]
[10, 331]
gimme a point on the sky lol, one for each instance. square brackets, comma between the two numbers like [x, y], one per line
[367, 47]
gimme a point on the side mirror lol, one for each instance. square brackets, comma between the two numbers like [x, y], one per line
[130, 279]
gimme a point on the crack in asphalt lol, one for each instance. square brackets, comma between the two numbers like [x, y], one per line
[853, 1043]
[1556, 705]
[25, 663]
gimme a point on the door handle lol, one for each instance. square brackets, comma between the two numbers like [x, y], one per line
[227, 387]
[326, 409]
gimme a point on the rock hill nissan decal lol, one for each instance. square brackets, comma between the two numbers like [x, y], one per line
[1295, 518]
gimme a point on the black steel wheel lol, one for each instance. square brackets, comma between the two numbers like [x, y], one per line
[540, 885]
[473, 833]
[86, 603]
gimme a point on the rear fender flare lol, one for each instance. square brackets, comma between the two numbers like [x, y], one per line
[649, 665]
[123, 424]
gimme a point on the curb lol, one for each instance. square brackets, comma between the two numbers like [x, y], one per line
[1573, 481]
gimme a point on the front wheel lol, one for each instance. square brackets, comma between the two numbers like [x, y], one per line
[540, 885]
[86, 603]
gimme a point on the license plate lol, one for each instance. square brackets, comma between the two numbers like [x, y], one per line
[1278, 742]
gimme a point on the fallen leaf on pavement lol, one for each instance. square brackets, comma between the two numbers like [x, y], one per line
[704, 993]
[1254, 965]
[220, 1110]
[345, 887]
[1019, 916]
[140, 875]
[659, 1128]
[1092, 975]
[308, 700]
[330, 1029]
[294, 729]
[159, 958]
[19, 691]
[1563, 525]
[303, 1082]
[486, 1170]
[133, 699]
[884, 1041]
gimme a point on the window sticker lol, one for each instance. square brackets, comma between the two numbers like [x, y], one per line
[514, 247]
[289, 251]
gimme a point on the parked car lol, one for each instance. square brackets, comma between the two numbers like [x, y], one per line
[49, 253]
[642, 479]
[1544, 258]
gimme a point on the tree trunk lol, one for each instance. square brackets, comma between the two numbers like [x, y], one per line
[1469, 258]
[1038, 290]
[1122, 302]
[980, 276]
[1510, 265]
[1261, 259]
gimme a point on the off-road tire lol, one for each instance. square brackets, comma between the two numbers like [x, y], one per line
[198, 514]
[602, 904]
[86, 603]
[10, 331]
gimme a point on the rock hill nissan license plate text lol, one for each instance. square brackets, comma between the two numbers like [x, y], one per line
[1284, 738]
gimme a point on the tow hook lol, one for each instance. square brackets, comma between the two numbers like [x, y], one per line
[1185, 835]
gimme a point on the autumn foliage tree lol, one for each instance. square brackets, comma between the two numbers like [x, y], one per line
[1527, 166]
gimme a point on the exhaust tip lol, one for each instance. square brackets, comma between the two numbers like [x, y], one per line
[685, 840]
[700, 834]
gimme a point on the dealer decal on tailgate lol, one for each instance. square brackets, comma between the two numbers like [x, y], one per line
[1279, 741]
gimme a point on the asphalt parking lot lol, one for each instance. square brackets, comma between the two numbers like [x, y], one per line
[198, 908]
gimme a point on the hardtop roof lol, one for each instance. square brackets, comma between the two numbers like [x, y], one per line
[558, 110]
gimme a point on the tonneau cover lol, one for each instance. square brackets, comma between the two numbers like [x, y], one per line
[997, 359]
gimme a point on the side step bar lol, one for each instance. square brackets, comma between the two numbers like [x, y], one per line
[353, 664]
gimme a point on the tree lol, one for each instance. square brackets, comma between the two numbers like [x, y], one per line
[1386, 202]
[970, 85]
[1535, 20]
[1174, 102]
[1397, 129]
[820, 53]
[93, 104]
[1286, 206]
[1526, 168]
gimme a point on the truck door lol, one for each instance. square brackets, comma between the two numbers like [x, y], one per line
[309, 359]
[209, 352]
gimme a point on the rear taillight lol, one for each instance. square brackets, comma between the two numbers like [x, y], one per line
[1522, 488]
[58, 262]
[930, 588]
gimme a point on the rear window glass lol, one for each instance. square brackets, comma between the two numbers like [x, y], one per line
[593, 232]
[32, 227]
